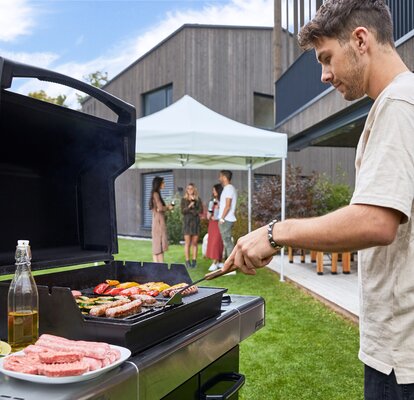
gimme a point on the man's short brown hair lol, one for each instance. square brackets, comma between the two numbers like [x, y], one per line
[337, 19]
[228, 174]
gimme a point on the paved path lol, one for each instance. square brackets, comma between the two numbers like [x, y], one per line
[340, 291]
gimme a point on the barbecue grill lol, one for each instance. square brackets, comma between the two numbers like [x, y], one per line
[57, 172]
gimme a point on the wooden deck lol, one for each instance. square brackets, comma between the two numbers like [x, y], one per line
[339, 291]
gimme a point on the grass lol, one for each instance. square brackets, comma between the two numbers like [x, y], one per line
[305, 351]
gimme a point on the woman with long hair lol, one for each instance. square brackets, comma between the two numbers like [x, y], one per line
[214, 243]
[191, 207]
[159, 227]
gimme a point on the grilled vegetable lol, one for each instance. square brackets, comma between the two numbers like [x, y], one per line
[102, 302]
[120, 297]
[127, 285]
[112, 282]
[100, 289]
[160, 286]
[103, 298]
[113, 291]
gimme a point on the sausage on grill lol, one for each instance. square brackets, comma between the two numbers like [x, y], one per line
[99, 311]
[124, 310]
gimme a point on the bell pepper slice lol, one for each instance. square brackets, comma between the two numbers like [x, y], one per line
[99, 289]
[112, 282]
[127, 285]
[113, 291]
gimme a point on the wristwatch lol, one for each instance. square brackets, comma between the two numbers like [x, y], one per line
[270, 235]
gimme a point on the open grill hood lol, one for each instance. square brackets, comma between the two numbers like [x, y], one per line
[57, 172]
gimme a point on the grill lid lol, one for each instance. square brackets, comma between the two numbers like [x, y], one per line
[57, 173]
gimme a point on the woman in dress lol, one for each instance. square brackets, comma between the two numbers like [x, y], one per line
[214, 242]
[159, 227]
[191, 208]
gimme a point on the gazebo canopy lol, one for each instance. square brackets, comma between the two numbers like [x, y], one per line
[190, 135]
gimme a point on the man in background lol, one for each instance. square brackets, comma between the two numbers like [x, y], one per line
[227, 211]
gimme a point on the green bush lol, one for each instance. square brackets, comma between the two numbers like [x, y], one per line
[203, 229]
[175, 222]
[329, 196]
[240, 227]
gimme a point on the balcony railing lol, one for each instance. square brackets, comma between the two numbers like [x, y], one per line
[301, 83]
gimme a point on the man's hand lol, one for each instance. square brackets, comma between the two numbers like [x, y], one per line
[251, 251]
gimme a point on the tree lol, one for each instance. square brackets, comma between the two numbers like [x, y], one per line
[97, 79]
[41, 95]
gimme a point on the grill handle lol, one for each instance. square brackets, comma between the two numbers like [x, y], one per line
[238, 379]
[11, 69]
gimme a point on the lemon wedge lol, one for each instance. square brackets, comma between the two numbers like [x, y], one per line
[5, 349]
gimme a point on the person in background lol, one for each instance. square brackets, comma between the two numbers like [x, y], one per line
[215, 242]
[191, 208]
[159, 227]
[227, 210]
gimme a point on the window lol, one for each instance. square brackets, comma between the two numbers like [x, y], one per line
[157, 100]
[166, 193]
[264, 114]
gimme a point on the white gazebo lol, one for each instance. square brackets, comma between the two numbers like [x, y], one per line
[189, 135]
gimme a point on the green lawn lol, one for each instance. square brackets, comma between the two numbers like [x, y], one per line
[305, 351]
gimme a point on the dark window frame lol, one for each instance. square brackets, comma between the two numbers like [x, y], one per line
[158, 89]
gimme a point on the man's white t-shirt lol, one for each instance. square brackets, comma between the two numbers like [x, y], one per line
[229, 192]
[385, 178]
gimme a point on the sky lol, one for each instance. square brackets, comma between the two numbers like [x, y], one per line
[78, 37]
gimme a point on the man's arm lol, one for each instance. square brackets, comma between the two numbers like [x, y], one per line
[351, 228]
[227, 207]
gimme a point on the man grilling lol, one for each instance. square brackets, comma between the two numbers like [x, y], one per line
[353, 42]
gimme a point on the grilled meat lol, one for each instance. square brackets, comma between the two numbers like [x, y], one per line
[124, 310]
[99, 311]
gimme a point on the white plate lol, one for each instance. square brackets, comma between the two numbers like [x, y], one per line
[125, 354]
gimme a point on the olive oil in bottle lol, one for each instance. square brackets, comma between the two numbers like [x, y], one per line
[23, 301]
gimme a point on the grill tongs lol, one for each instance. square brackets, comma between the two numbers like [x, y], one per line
[177, 298]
